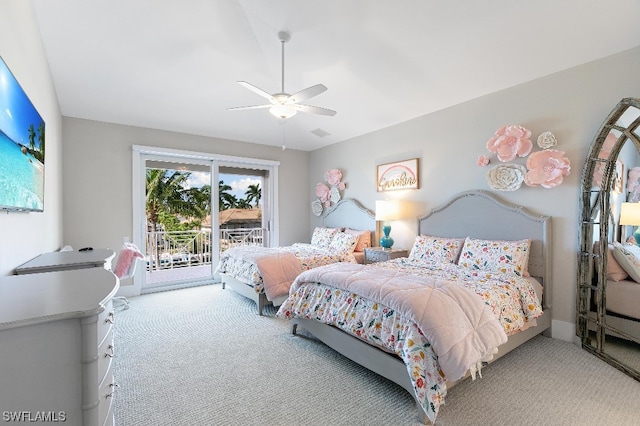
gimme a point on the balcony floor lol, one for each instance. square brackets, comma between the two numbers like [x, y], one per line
[167, 276]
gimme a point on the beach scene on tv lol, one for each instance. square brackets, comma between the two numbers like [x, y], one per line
[22, 134]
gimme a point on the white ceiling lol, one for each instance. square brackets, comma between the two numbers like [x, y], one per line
[174, 65]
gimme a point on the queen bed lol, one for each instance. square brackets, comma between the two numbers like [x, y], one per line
[264, 274]
[389, 316]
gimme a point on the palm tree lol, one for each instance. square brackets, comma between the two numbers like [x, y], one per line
[225, 199]
[254, 193]
[243, 204]
[32, 137]
[167, 193]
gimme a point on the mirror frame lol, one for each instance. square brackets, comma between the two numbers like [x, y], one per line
[595, 212]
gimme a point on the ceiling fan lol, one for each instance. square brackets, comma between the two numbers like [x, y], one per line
[284, 105]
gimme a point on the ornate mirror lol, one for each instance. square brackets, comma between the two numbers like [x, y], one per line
[608, 305]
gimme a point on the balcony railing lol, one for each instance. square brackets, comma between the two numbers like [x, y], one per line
[179, 249]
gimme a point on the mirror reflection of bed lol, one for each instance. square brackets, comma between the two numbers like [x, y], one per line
[608, 317]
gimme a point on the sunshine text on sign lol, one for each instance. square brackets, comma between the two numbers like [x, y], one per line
[397, 182]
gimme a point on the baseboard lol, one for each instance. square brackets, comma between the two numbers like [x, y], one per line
[564, 331]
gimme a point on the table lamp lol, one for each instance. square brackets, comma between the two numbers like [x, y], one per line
[630, 215]
[386, 211]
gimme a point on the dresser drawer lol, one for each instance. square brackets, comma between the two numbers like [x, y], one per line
[109, 419]
[108, 390]
[106, 352]
[105, 321]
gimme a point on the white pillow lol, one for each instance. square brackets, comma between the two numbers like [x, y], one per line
[322, 237]
[436, 250]
[628, 256]
[496, 256]
[343, 242]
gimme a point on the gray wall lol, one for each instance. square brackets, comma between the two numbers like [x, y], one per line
[97, 179]
[26, 235]
[572, 104]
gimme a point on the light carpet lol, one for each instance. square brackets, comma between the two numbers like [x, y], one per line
[202, 356]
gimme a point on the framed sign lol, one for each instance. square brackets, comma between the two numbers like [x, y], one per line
[399, 175]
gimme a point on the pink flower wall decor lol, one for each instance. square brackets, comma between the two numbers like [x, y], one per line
[547, 168]
[333, 177]
[604, 153]
[322, 192]
[511, 141]
[633, 185]
[483, 161]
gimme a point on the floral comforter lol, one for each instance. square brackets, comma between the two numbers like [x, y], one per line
[511, 299]
[236, 262]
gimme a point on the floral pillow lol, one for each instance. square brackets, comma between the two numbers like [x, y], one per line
[364, 239]
[343, 242]
[322, 236]
[435, 249]
[628, 256]
[509, 257]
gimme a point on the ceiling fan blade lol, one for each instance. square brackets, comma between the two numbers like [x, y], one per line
[307, 93]
[249, 107]
[314, 109]
[256, 90]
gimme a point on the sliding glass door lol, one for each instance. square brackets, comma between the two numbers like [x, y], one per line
[188, 208]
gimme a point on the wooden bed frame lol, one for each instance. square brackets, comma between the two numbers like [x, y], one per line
[477, 214]
[346, 213]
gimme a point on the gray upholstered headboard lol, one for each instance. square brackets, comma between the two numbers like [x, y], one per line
[484, 215]
[349, 213]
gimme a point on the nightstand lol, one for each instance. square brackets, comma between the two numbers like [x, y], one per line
[378, 254]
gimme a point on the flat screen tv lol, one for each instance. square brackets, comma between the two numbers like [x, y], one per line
[21, 148]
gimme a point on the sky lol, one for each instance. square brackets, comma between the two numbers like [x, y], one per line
[238, 183]
[16, 111]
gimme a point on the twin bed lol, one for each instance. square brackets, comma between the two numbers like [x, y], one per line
[264, 274]
[416, 321]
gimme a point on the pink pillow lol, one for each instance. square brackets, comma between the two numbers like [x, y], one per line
[364, 239]
[615, 272]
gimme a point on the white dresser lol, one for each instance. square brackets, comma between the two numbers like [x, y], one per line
[56, 347]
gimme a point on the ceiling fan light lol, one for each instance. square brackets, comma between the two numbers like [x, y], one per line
[282, 111]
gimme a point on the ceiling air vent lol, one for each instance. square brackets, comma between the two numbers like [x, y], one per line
[320, 133]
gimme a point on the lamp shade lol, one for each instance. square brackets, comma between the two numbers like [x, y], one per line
[630, 214]
[388, 210]
[282, 111]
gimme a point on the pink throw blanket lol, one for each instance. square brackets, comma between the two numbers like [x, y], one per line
[126, 261]
[278, 268]
[461, 328]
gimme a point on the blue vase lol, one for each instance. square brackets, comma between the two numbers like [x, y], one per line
[386, 241]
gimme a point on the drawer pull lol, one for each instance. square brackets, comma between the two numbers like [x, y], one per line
[110, 354]
[113, 387]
